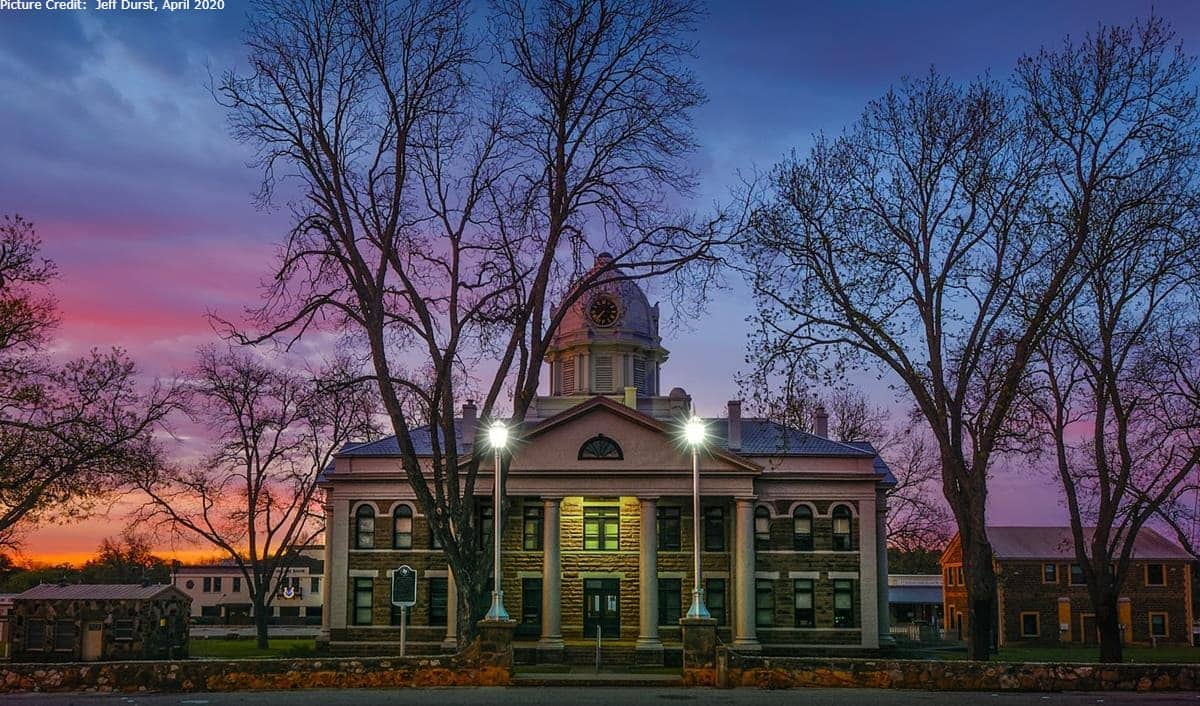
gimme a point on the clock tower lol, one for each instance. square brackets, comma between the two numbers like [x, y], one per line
[607, 343]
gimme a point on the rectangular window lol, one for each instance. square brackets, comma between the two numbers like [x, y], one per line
[485, 520]
[714, 599]
[216, 584]
[1049, 573]
[668, 529]
[1158, 624]
[64, 635]
[210, 611]
[803, 592]
[208, 584]
[764, 603]
[439, 594]
[1156, 575]
[601, 528]
[670, 601]
[364, 599]
[123, 629]
[843, 603]
[532, 531]
[237, 584]
[289, 611]
[1031, 625]
[313, 611]
[714, 529]
[1077, 575]
[314, 585]
[35, 634]
[531, 608]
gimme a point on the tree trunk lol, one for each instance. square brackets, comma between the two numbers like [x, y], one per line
[261, 619]
[980, 575]
[1109, 625]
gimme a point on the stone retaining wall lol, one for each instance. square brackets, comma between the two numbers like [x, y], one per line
[475, 668]
[734, 670]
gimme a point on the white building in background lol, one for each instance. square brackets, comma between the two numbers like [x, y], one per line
[220, 595]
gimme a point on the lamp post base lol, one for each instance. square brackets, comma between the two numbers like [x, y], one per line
[698, 609]
[497, 611]
[699, 643]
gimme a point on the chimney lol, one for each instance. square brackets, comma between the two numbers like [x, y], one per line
[735, 425]
[821, 422]
[466, 430]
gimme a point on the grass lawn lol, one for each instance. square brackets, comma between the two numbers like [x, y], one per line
[246, 648]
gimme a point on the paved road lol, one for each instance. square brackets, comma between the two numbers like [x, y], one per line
[606, 697]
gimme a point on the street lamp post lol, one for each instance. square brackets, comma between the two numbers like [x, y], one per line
[694, 432]
[498, 438]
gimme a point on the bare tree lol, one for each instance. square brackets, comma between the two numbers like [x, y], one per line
[1113, 362]
[437, 227]
[69, 433]
[906, 244]
[252, 497]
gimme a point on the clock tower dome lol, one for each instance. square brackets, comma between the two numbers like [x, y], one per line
[607, 342]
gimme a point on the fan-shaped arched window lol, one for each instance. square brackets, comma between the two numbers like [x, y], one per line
[802, 525]
[364, 527]
[402, 518]
[600, 447]
[843, 539]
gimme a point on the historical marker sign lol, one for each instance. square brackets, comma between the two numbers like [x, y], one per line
[404, 587]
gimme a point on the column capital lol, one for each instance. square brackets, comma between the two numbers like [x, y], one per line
[649, 498]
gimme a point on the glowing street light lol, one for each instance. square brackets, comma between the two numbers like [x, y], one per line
[498, 439]
[694, 432]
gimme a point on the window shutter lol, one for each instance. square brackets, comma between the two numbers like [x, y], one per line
[568, 376]
[604, 373]
[639, 375]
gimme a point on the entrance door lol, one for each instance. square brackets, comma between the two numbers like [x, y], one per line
[602, 607]
[1088, 632]
[531, 608]
[93, 641]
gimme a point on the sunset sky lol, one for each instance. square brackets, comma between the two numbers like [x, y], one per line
[112, 145]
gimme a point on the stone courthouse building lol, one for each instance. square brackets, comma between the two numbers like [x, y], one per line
[600, 535]
[1041, 596]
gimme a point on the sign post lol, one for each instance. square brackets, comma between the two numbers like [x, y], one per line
[404, 596]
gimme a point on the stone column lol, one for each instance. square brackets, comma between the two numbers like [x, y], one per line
[881, 568]
[329, 520]
[648, 644]
[868, 569]
[451, 640]
[338, 568]
[745, 634]
[550, 646]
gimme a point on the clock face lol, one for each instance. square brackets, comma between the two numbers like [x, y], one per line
[603, 311]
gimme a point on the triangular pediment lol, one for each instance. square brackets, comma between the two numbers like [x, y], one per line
[646, 444]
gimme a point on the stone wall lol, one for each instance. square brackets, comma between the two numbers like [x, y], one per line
[474, 667]
[734, 670]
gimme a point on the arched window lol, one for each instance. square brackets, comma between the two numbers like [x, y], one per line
[600, 447]
[402, 527]
[802, 525]
[762, 527]
[364, 527]
[842, 538]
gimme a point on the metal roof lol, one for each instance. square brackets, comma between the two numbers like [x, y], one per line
[95, 591]
[914, 594]
[1059, 543]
